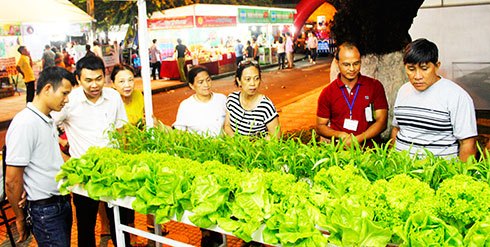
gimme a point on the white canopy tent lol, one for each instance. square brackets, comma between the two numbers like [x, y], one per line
[22, 11]
[40, 22]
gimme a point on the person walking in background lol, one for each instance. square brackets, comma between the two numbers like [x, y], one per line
[281, 52]
[88, 51]
[68, 60]
[204, 111]
[432, 113]
[249, 50]
[33, 159]
[181, 50]
[48, 57]
[353, 107]
[289, 49]
[92, 111]
[97, 49]
[58, 57]
[256, 49]
[24, 66]
[248, 112]
[312, 46]
[155, 60]
[238, 52]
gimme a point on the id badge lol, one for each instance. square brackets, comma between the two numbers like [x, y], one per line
[369, 113]
[350, 124]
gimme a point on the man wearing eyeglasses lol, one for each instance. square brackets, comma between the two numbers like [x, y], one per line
[352, 108]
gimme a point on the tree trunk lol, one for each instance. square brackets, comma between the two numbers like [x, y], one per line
[389, 70]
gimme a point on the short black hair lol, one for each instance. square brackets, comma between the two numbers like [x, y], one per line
[154, 41]
[191, 75]
[87, 47]
[54, 75]
[120, 67]
[348, 45]
[91, 63]
[243, 65]
[421, 51]
[20, 49]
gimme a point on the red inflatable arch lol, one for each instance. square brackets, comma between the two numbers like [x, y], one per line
[303, 10]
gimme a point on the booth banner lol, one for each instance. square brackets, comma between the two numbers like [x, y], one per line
[10, 30]
[109, 55]
[281, 17]
[253, 15]
[216, 21]
[171, 23]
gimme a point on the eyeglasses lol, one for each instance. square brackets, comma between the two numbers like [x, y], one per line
[246, 62]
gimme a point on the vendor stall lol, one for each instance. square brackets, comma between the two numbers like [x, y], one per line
[29, 26]
[211, 37]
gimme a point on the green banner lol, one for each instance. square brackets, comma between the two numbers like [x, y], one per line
[253, 15]
[256, 16]
[281, 17]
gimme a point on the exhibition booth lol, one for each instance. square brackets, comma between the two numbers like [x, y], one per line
[211, 31]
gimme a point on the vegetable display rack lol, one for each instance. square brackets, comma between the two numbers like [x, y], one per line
[121, 228]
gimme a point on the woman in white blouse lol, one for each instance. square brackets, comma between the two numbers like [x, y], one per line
[204, 112]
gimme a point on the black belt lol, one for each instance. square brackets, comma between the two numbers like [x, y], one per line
[53, 199]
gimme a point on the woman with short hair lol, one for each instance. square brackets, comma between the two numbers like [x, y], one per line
[204, 111]
[248, 111]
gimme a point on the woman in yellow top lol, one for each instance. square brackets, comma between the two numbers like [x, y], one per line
[122, 77]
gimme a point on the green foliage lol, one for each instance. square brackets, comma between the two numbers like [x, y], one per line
[461, 201]
[294, 157]
[395, 200]
[351, 224]
[423, 229]
[479, 234]
[287, 190]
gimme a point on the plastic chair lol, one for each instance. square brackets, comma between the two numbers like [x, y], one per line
[4, 203]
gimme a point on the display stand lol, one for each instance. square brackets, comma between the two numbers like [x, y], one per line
[121, 228]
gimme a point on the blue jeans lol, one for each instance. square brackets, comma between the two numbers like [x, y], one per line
[51, 223]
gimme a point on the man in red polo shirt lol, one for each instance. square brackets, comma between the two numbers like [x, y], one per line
[353, 103]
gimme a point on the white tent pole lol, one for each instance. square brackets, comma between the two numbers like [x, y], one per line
[145, 61]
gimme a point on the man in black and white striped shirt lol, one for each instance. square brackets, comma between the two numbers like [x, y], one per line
[432, 113]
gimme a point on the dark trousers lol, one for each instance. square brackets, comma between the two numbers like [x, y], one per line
[313, 53]
[29, 91]
[86, 211]
[126, 216]
[281, 57]
[154, 67]
[51, 223]
[238, 60]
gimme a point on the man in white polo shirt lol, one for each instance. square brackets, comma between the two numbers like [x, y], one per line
[93, 110]
[33, 160]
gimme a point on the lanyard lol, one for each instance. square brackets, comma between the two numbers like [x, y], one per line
[354, 100]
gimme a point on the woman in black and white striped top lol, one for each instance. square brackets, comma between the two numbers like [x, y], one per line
[248, 111]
